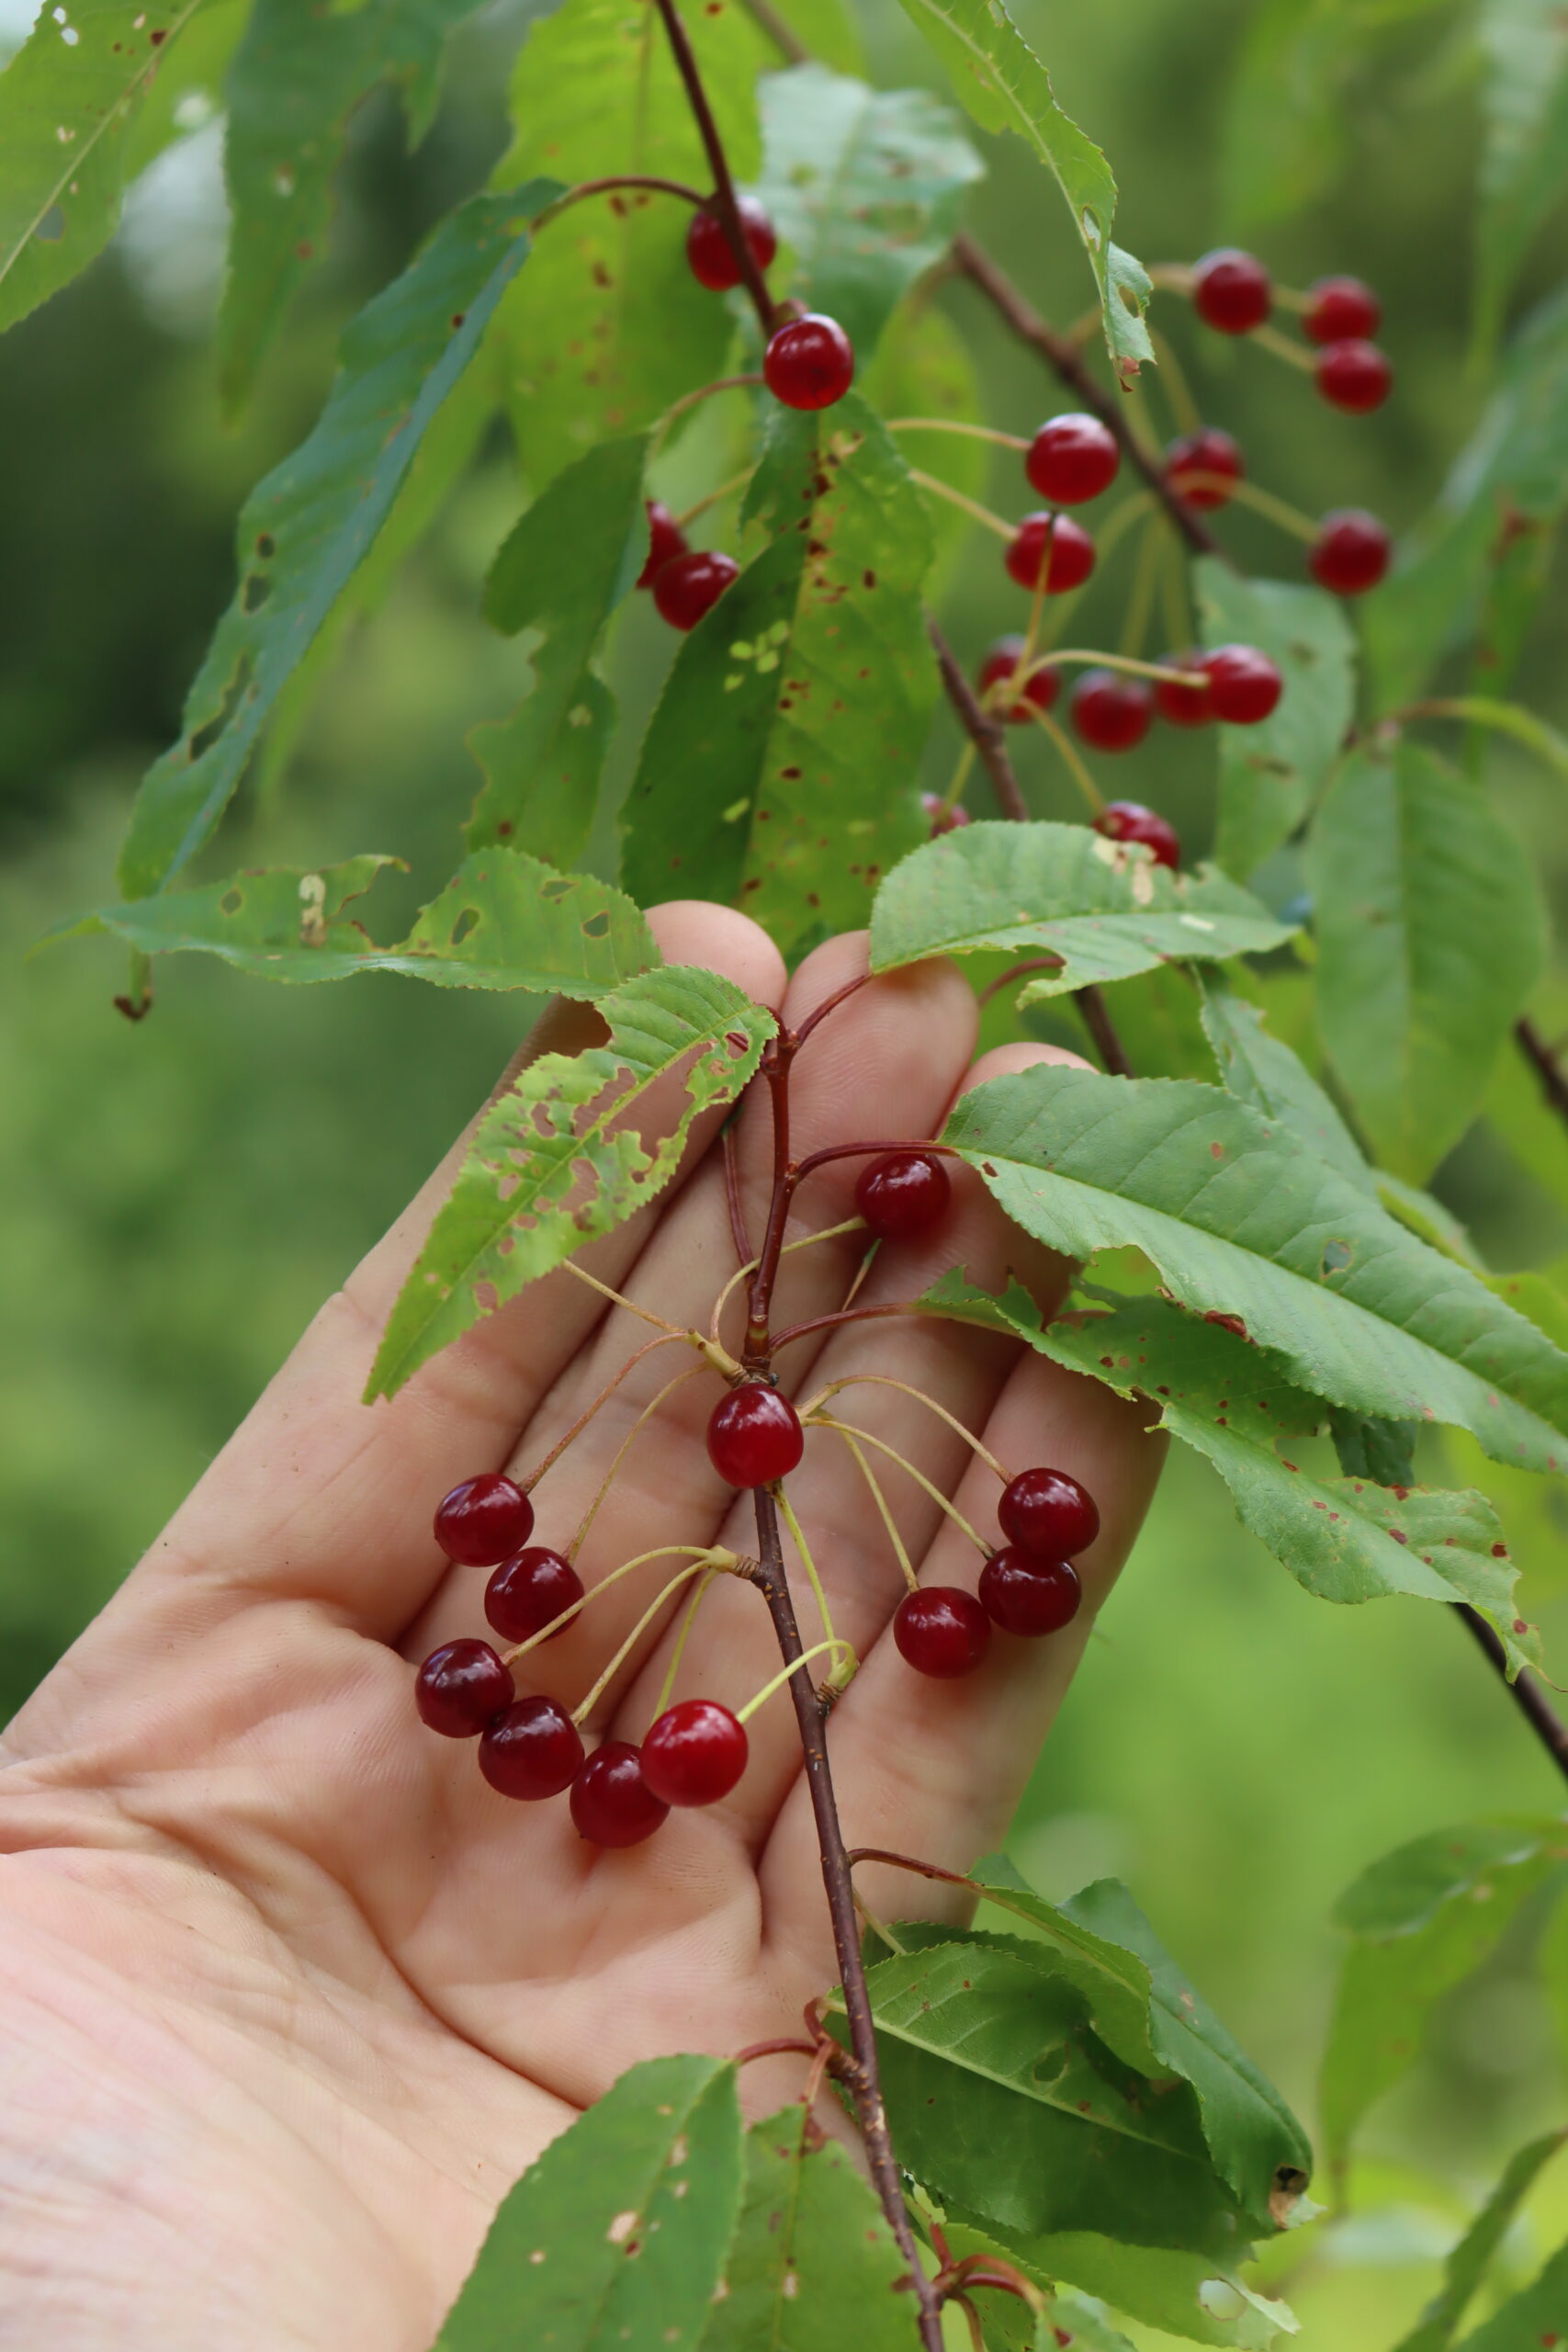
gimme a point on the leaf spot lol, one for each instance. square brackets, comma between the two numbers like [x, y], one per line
[621, 2228]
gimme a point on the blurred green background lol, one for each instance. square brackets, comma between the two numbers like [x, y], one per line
[178, 1196]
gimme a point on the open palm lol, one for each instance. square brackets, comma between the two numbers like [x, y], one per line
[289, 1995]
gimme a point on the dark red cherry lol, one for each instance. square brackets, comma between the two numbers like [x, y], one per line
[1071, 458]
[532, 1750]
[754, 1436]
[1023, 1595]
[1244, 684]
[528, 1590]
[710, 253]
[690, 585]
[943, 818]
[460, 1687]
[1341, 309]
[941, 1631]
[611, 1803]
[1128, 821]
[1044, 1511]
[1351, 553]
[1354, 376]
[810, 363]
[1071, 553]
[1184, 706]
[1039, 690]
[903, 1194]
[1111, 712]
[483, 1520]
[1201, 467]
[694, 1753]
[666, 541]
[1231, 290]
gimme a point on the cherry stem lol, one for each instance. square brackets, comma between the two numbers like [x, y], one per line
[784, 2045]
[609, 187]
[610, 1475]
[712, 497]
[906, 1388]
[1174, 386]
[1161, 669]
[943, 1502]
[701, 1566]
[818, 1014]
[724, 203]
[1525, 1690]
[728, 1561]
[1022, 972]
[744, 1713]
[880, 1500]
[665, 1340]
[1068, 750]
[801, 1241]
[1262, 501]
[970, 506]
[976, 2333]
[803, 1548]
[687, 1621]
[670, 1331]
[840, 1316]
[815, 1160]
[957, 425]
[859, 1854]
[689, 400]
[1284, 347]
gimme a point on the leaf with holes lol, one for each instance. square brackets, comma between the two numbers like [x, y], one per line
[559, 1158]
[308, 526]
[1016, 2324]
[1537, 2315]
[1472, 2258]
[1188, 2295]
[1524, 105]
[617, 2236]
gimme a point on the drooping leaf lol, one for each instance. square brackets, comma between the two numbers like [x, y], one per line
[1261, 1069]
[1430, 935]
[559, 1160]
[1472, 2258]
[615, 2240]
[776, 769]
[1532, 2317]
[1269, 775]
[865, 186]
[923, 367]
[1190, 2295]
[1383, 1452]
[306, 527]
[1524, 105]
[1105, 906]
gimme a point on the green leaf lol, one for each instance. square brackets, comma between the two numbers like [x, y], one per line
[308, 526]
[1006, 87]
[1269, 775]
[1507, 718]
[1430, 935]
[300, 72]
[863, 186]
[774, 771]
[615, 2240]
[1423, 1918]
[1187, 2294]
[1531, 2318]
[69, 100]
[1239, 1220]
[1105, 906]
[1283, 130]
[923, 367]
[1262, 1070]
[1525, 106]
[815, 2267]
[1472, 2258]
[559, 1160]
[1013, 2324]
[1383, 1452]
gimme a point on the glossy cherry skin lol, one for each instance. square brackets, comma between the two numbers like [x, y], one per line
[1071, 557]
[1351, 553]
[1023, 1595]
[611, 1803]
[459, 1688]
[1128, 821]
[1114, 713]
[1184, 706]
[696, 1753]
[754, 1436]
[1341, 309]
[941, 1631]
[532, 1750]
[483, 1520]
[1199, 466]
[1045, 1513]
[691, 585]
[943, 818]
[528, 1591]
[666, 541]
[710, 253]
[1244, 684]
[1354, 376]
[1072, 459]
[810, 363]
[1231, 290]
[903, 1194]
[1040, 689]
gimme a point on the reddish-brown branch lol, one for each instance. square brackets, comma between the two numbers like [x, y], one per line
[1544, 1062]
[868, 1150]
[1525, 1690]
[1102, 1029]
[831, 1322]
[831, 1004]
[984, 731]
[724, 198]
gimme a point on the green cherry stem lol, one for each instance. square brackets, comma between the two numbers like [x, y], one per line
[957, 425]
[970, 506]
[1185, 412]
[671, 1330]
[880, 1500]
[688, 1620]
[666, 1339]
[678, 409]
[1086, 653]
[1068, 750]
[786, 1511]
[847, 1429]
[607, 1481]
[838, 1679]
[702, 1564]
[693, 196]
[1141, 596]
[720, 1562]
[1284, 347]
[1262, 501]
[715, 497]
[906, 1388]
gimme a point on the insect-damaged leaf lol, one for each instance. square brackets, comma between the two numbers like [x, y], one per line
[615, 2240]
[1472, 2258]
[1261, 1069]
[1105, 906]
[305, 530]
[559, 1160]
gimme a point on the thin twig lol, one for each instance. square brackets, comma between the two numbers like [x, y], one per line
[724, 202]
[983, 731]
[1525, 1690]
[1548, 1069]
[1102, 1029]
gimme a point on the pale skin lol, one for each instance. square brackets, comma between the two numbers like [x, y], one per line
[289, 1997]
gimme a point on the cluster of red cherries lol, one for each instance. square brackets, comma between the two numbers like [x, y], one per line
[696, 1751]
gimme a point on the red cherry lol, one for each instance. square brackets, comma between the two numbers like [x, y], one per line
[1244, 684]
[941, 1631]
[694, 1753]
[1341, 309]
[529, 1590]
[903, 1194]
[1071, 553]
[754, 1436]
[1351, 553]
[690, 585]
[710, 253]
[1354, 376]
[1071, 458]
[1200, 466]
[1111, 712]
[943, 818]
[810, 363]
[1128, 821]
[1040, 689]
[1231, 290]
[483, 1520]
[1023, 1595]
[1184, 706]
[666, 541]
[532, 1751]
[460, 1687]
[611, 1803]
[1044, 1511]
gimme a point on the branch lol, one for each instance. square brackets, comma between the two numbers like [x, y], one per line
[1525, 1690]
[1102, 1029]
[1547, 1067]
[983, 731]
[724, 201]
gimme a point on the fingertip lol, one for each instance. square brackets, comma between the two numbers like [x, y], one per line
[1013, 1060]
[693, 931]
